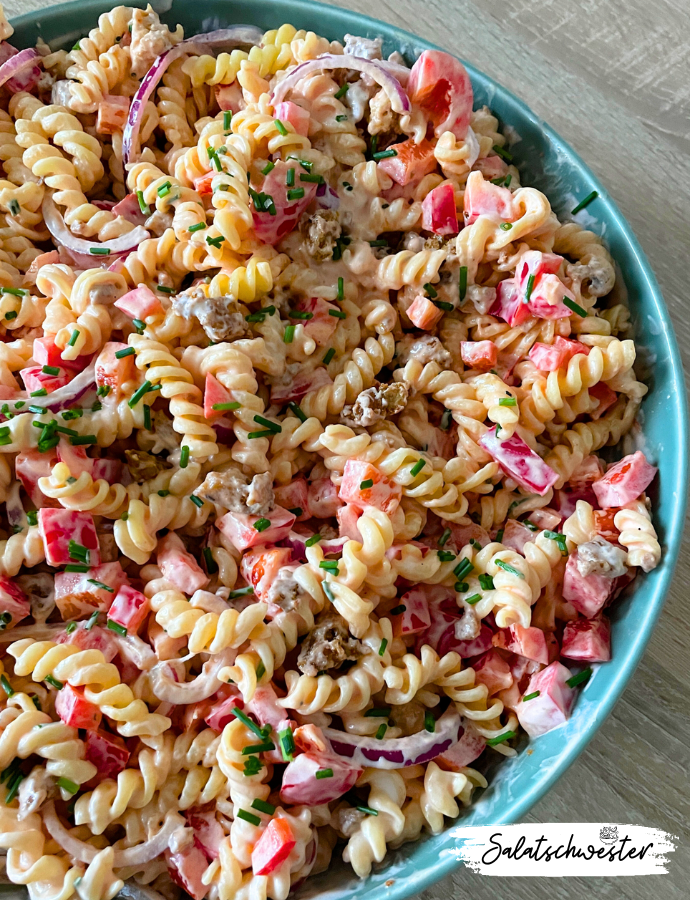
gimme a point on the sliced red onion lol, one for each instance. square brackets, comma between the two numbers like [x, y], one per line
[16, 64]
[398, 753]
[326, 197]
[77, 387]
[224, 432]
[296, 543]
[132, 856]
[165, 687]
[380, 73]
[199, 44]
[62, 234]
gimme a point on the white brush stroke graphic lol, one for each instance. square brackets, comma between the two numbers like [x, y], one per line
[559, 850]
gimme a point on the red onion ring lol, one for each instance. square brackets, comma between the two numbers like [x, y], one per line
[381, 74]
[18, 63]
[56, 226]
[398, 753]
[235, 35]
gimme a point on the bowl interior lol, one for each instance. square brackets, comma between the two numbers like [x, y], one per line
[548, 163]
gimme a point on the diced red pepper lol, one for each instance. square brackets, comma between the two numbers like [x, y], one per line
[302, 384]
[58, 527]
[208, 833]
[546, 299]
[461, 535]
[129, 609]
[186, 868]
[606, 397]
[179, 566]
[112, 371]
[438, 210]
[546, 518]
[481, 355]
[482, 198]
[528, 642]
[516, 535]
[214, 393]
[519, 462]
[440, 85]
[423, 313]
[492, 670]
[35, 379]
[553, 705]
[625, 481]
[492, 167]
[415, 617]
[588, 640]
[47, 353]
[588, 594]
[262, 566]
[551, 357]
[297, 116]
[300, 784]
[605, 525]
[112, 114]
[140, 303]
[75, 710]
[13, 602]
[463, 753]
[589, 471]
[272, 227]
[411, 162]
[321, 327]
[273, 847]
[107, 752]
[239, 527]
[508, 305]
[203, 185]
[94, 638]
[382, 493]
[323, 499]
[221, 712]
[294, 496]
[77, 596]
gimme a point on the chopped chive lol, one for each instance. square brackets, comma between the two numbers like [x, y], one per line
[240, 592]
[15, 208]
[296, 511]
[461, 586]
[505, 226]
[32, 517]
[281, 128]
[50, 370]
[100, 251]
[215, 241]
[429, 721]
[506, 736]
[295, 193]
[6, 686]
[530, 525]
[262, 524]
[380, 731]
[143, 205]
[581, 205]
[184, 457]
[503, 153]
[462, 569]
[248, 817]
[430, 290]
[227, 120]
[254, 435]
[272, 426]
[384, 154]
[328, 591]
[198, 227]
[382, 713]
[417, 467]
[311, 178]
[288, 334]
[341, 289]
[128, 351]
[41, 392]
[53, 682]
[487, 582]
[340, 93]
[78, 552]
[330, 564]
[290, 177]
[475, 598]
[530, 696]
[337, 313]
[147, 417]
[73, 339]
[445, 555]
[226, 407]
[530, 287]
[507, 401]
[103, 390]
[116, 627]
[443, 540]
[330, 353]
[462, 290]
[139, 325]
[165, 290]
[508, 568]
[263, 806]
[323, 773]
[382, 648]
[444, 305]
[287, 744]
[397, 610]
[13, 786]
[367, 810]
[348, 186]
[250, 723]
[298, 314]
[258, 748]
[367, 483]
[380, 243]
[293, 407]
[11, 315]
[209, 561]
[475, 544]
[99, 584]
[575, 307]
[71, 627]
[75, 568]
[91, 621]
[197, 501]
[446, 420]
[580, 678]
[509, 178]
[314, 539]
[140, 392]
[269, 167]
[83, 440]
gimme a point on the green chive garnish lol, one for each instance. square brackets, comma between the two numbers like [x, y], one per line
[506, 736]
[575, 307]
[530, 286]
[250, 723]
[463, 283]
[128, 351]
[380, 731]
[398, 610]
[340, 93]
[6, 686]
[507, 401]
[198, 227]
[73, 339]
[429, 721]
[254, 435]
[367, 483]
[143, 205]
[295, 193]
[197, 501]
[503, 153]
[462, 569]
[281, 128]
[324, 773]
[100, 585]
[580, 678]
[248, 817]
[384, 154]
[382, 648]
[314, 539]
[487, 582]
[381, 713]
[417, 467]
[262, 524]
[530, 696]
[263, 806]
[240, 592]
[475, 598]
[116, 627]
[297, 411]
[341, 289]
[330, 353]
[288, 334]
[508, 568]
[337, 313]
[581, 205]
[272, 426]
[53, 682]
[184, 457]
[227, 120]
[100, 251]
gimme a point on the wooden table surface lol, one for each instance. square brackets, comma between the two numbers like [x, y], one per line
[613, 78]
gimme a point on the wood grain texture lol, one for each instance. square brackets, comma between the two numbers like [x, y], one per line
[611, 76]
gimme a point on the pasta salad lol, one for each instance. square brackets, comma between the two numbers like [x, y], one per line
[303, 396]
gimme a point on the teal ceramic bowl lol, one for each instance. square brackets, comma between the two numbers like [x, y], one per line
[548, 163]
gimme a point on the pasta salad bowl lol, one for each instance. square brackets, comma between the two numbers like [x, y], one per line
[547, 163]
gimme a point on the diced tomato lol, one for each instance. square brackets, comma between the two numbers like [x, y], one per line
[294, 496]
[479, 354]
[482, 198]
[214, 393]
[546, 299]
[13, 602]
[551, 357]
[300, 784]
[520, 462]
[441, 636]
[588, 640]
[77, 596]
[588, 594]
[297, 116]
[464, 752]
[109, 470]
[302, 384]
[493, 671]
[75, 458]
[94, 638]
[75, 710]
[271, 229]
[139, 303]
[439, 213]
[492, 167]
[604, 524]
[30, 465]
[60, 527]
[264, 705]
[528, 642]
[536, 263]
[516, 535]
[186, 868]
[546, 518]
[440, 85]
[221, 712]
[35, 379]
[112, 114]
[129, 608]
[509, 305]
[261, 567]
[347, 522]
[322, 325]
[382, 493]
[130, 210]
[323, 499]
[273, 847]
[565, 502]
[179, 566]
[411, 162]
[47, 353]
[415, 617]
[208, 833]
[112, 371]
[203, 185]
[625, 481]
[44, 259]
[552, 706]
[606, 397]
[589, 471]
[423, 313]
[229, 96]
[240, 527]
[107, 752]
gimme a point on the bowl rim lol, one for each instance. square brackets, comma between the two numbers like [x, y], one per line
[515, 808]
